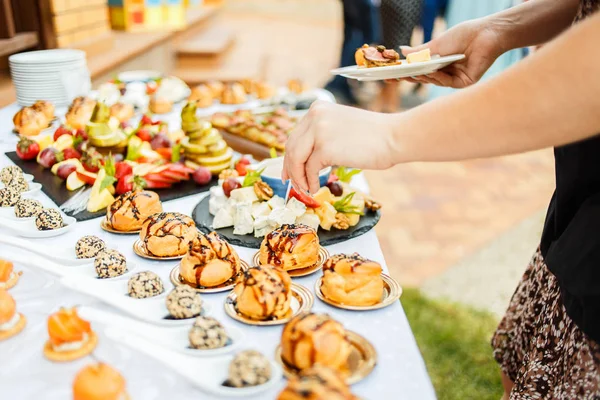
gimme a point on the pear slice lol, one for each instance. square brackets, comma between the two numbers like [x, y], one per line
[73, 181]
[99, 199]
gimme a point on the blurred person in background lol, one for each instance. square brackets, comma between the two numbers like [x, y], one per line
[398, 20]
[548, 343]
[361, 25]
[431, 10]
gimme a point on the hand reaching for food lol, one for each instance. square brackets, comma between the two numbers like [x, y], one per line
[332, 134]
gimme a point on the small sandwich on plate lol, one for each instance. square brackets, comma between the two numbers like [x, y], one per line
[11, 322]
[379, 56]
[70, 337]
[99, 381]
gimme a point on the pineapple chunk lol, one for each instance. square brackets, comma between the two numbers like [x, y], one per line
[326, 214]
[353, 219]
[99, 199]
[324, 195]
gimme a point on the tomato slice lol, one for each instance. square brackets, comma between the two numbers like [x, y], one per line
[304, 198]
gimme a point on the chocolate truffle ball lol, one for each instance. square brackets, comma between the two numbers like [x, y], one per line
[110, 264]
[19, 184]
[49, 219]
[145, 284]
[249, 368]
[207, 333]
[184, 302]
[8, 174]
[9, 197]
[89, 247]
[28, 208]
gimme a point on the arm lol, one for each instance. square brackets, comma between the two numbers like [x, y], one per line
[483, 40]
[543, 101]
[546, 100]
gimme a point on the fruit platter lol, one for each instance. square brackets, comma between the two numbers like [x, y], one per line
[250, 201]
[99, 152]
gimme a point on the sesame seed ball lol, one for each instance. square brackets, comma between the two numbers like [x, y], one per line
[145, 284]
[49, 219]
[89, 247]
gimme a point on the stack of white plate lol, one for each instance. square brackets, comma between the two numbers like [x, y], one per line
[57, 76]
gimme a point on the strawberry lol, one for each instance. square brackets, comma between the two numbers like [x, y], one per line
[60, 131]
[122, 169]
[146, 120]
[144, 134]
[27, 149]
[71, 153]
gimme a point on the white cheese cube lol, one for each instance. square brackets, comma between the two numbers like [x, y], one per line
[244, 195]
[215, 204]
[263, 226]
[243, 223]
[217, 191]
[419, 56]
[282, 216]
[297, 207]
[260, 209]
[311, 220]
[223, 219]
[276, 202]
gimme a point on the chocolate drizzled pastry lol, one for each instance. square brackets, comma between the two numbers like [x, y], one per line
[210, 262]
[317, 383]
[168, 234]
[264, 293]
[293, 246]
[129, 211]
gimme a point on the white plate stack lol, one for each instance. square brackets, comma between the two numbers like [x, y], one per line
[57, 76]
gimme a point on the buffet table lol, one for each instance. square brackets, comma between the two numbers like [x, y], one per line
[400, 372]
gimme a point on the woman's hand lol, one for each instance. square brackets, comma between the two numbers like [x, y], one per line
[332, 134]
[476, 39]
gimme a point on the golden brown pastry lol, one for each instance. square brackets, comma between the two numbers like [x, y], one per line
[80, 112]
[210, 262]
[168, 234]
[264, 90]
[352, 280]
[45, 107]
[129, 211]
[202, 95]
[264, 293]
[379, 56]
[317, 383]
[310, 339]
[99, 382]
[216, 88]
[29, 122]
[249, 85]
[160, 105]
[233, 94]
[292, 247]
[121, 111]
[296, 86]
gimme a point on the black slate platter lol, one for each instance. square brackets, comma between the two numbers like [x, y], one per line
[204, 221]
[54, 187]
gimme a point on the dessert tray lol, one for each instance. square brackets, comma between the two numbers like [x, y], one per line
[204, 221]
[403, 70]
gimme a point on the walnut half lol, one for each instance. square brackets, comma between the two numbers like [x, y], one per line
[263, 191]
[372, 205]
[341, 221]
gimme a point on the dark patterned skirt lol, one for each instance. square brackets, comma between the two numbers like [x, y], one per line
[540, 348]
[398, 20]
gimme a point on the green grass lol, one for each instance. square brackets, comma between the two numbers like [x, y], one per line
[455, 342]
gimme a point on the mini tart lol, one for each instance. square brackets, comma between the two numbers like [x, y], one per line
[99, 382]
[15, 329]
[129, 211]
[352, 280]
[168, 234]
[210, 262]
[65, 356]
[291, 247]
[8, 277]
[264, 293]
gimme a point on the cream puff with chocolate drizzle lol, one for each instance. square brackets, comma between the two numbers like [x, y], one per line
[291, 247]
[310, 339]
[317, 383]
[210, 262]
[264, 293]
[168, 234]
[129, 211]
[352, 280]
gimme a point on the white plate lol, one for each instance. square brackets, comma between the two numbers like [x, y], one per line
[207, 375]
[47, 57]
[152, 310]
[403, 70]
[63, 256]
[29, 230]
[173, 338]
[34, 187]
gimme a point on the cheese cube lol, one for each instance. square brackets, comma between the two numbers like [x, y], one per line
[276, 202]
[281, 216]
[419, 56]
[263, 226]
[260, 209]
[223, 219]
[217, 200]
[311, 220]
[243, 223]
[244, 195]
[297, 207]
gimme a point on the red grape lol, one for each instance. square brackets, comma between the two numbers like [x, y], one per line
[47, 158]
[336, 188]
[230, 185]
[65, 170]
[202, 175]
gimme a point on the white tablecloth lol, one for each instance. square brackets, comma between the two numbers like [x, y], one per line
[25, 374]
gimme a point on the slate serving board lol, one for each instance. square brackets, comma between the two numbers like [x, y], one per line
[204, 221]
[54, 187]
